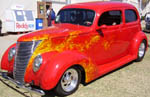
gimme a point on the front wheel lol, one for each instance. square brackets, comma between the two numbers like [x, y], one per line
[141, 51]
[69, 82]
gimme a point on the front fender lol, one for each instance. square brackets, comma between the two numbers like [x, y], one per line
[57, 66]
[5, 64]
[52, 70]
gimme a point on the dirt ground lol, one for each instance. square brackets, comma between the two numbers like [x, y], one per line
[133, 80]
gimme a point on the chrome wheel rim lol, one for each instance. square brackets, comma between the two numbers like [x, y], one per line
[141, 50]
[69, 80]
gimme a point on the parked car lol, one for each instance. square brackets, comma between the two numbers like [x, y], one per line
[147, 20]
[87, 41]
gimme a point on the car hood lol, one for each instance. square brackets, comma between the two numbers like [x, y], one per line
[54, 31]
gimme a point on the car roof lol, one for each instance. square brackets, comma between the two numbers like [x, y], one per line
[99, 5]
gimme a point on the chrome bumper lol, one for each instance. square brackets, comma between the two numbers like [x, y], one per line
[26, 88]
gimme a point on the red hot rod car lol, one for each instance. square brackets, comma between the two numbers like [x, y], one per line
[86, 41]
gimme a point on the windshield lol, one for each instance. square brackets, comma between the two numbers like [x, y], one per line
[76, 16]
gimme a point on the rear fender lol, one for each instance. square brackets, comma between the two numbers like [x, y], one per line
[139, 37]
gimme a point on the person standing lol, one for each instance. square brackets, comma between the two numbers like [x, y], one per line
[50, 16]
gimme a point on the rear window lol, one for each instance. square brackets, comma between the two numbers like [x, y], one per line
[130, 16]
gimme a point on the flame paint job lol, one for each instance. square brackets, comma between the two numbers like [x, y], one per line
[63, 44]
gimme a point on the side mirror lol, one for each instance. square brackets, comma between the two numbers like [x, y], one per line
[99, 29]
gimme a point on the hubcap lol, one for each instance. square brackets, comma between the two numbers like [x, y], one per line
[69, 80]
[141, 50]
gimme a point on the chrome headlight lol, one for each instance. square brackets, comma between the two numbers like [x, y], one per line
[11, 53]
[37, 63]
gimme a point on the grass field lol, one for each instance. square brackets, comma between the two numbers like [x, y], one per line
[133, 80]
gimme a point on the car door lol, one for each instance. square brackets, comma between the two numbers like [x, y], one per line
[110, 47]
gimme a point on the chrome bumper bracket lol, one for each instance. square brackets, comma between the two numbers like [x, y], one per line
[26, 88]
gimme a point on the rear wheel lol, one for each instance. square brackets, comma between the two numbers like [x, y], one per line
[141, 51]
[69, 82]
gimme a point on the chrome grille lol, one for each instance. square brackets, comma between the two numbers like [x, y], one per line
[24, 51]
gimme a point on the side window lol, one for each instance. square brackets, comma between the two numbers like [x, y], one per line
[130, 16]
[110, 18]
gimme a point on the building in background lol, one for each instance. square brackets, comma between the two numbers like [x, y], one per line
[11, 8]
